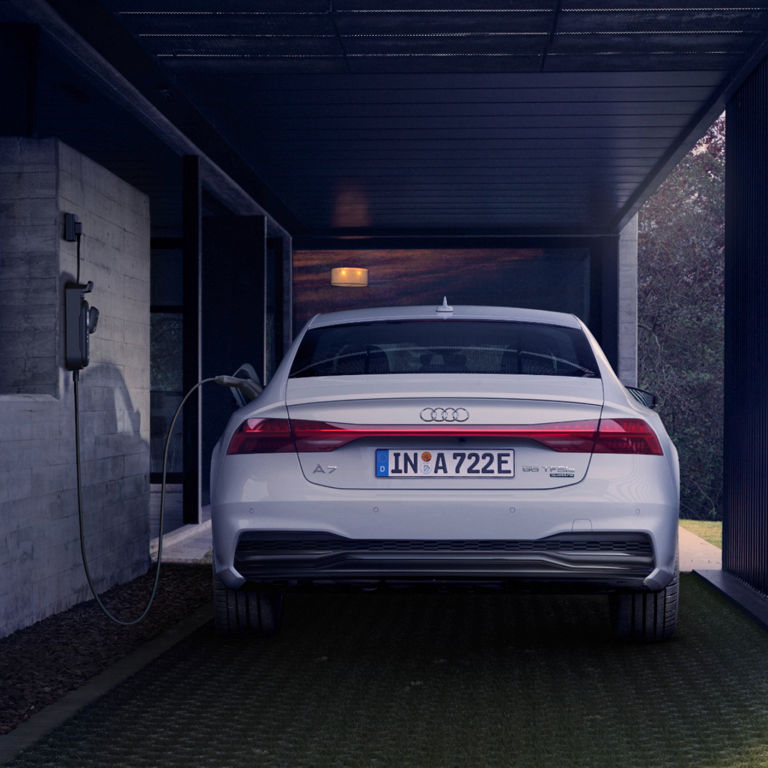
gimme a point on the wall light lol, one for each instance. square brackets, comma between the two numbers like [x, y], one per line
[350, 277]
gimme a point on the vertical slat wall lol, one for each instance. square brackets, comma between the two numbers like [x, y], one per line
[745, 530]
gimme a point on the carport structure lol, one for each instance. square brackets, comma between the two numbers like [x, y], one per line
[258, 128]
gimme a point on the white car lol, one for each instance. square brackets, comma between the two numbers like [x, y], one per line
[449, 445]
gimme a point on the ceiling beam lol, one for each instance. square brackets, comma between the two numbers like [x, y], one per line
[691, 133]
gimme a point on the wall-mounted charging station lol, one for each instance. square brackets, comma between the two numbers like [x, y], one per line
[80, 319]
[80, 322]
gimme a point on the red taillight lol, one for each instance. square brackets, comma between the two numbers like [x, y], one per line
[567, 437]
[627, 436]
[262, 436]
[319, 436]
[314, 436]
[280, 435]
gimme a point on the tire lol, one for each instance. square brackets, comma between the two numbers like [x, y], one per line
[256, 611]
[646, 616]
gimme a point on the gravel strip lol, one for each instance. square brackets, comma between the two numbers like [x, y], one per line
[41, 663]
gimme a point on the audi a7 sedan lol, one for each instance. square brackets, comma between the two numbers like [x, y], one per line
[439, 445]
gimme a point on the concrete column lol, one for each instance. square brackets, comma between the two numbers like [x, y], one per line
[613, 299]
[234, 327]
[627, 304]
[192, 370]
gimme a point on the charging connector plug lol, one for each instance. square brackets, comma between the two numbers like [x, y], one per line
[250, 388]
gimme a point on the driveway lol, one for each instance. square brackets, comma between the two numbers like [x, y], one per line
[402, 679]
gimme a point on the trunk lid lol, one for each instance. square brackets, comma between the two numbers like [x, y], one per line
[450, 424]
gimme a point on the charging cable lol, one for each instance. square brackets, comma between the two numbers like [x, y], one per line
[249, 387]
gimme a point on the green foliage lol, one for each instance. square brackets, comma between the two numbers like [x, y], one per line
[681, 300]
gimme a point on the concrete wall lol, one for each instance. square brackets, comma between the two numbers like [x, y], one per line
[40, 561]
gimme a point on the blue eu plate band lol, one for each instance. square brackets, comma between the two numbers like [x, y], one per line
[382, 462]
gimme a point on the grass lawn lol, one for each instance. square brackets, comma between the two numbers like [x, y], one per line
[709, 530]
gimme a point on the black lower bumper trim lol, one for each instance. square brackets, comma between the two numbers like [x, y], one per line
[604, 558]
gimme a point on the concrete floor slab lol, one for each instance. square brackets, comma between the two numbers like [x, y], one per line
[434, 680]
[697, 554]
[752, 602]
[45, 721]
[191, 543]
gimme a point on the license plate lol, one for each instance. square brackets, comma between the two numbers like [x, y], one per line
[490, 463]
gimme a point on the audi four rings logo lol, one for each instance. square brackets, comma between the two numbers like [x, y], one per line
[444, 414]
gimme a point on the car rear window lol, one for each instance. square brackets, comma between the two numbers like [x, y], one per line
[444, 346]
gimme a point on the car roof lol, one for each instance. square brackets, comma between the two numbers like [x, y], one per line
[438, 312]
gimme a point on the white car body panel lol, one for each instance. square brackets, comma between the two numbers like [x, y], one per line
[609, 494]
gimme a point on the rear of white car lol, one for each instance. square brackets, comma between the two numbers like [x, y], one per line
[431, 445]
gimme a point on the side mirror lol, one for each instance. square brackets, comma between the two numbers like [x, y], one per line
[648, 399]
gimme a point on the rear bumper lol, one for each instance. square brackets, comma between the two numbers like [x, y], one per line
[338, 534]
[594, 560]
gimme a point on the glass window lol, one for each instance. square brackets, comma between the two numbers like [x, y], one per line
[166, 382]
[440, 346]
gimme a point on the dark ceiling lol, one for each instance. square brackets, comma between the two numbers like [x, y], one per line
[351, 117]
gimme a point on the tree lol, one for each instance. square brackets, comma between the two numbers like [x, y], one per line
[680, 305]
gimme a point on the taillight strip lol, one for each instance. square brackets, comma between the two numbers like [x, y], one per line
[607, 436]
[627, 436]
[320, 436]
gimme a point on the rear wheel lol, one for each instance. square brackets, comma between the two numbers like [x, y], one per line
[646, 616]
[248, 610]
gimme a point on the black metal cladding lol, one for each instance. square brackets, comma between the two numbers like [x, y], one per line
[421, 119]
[430, 118]
[745, 529]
